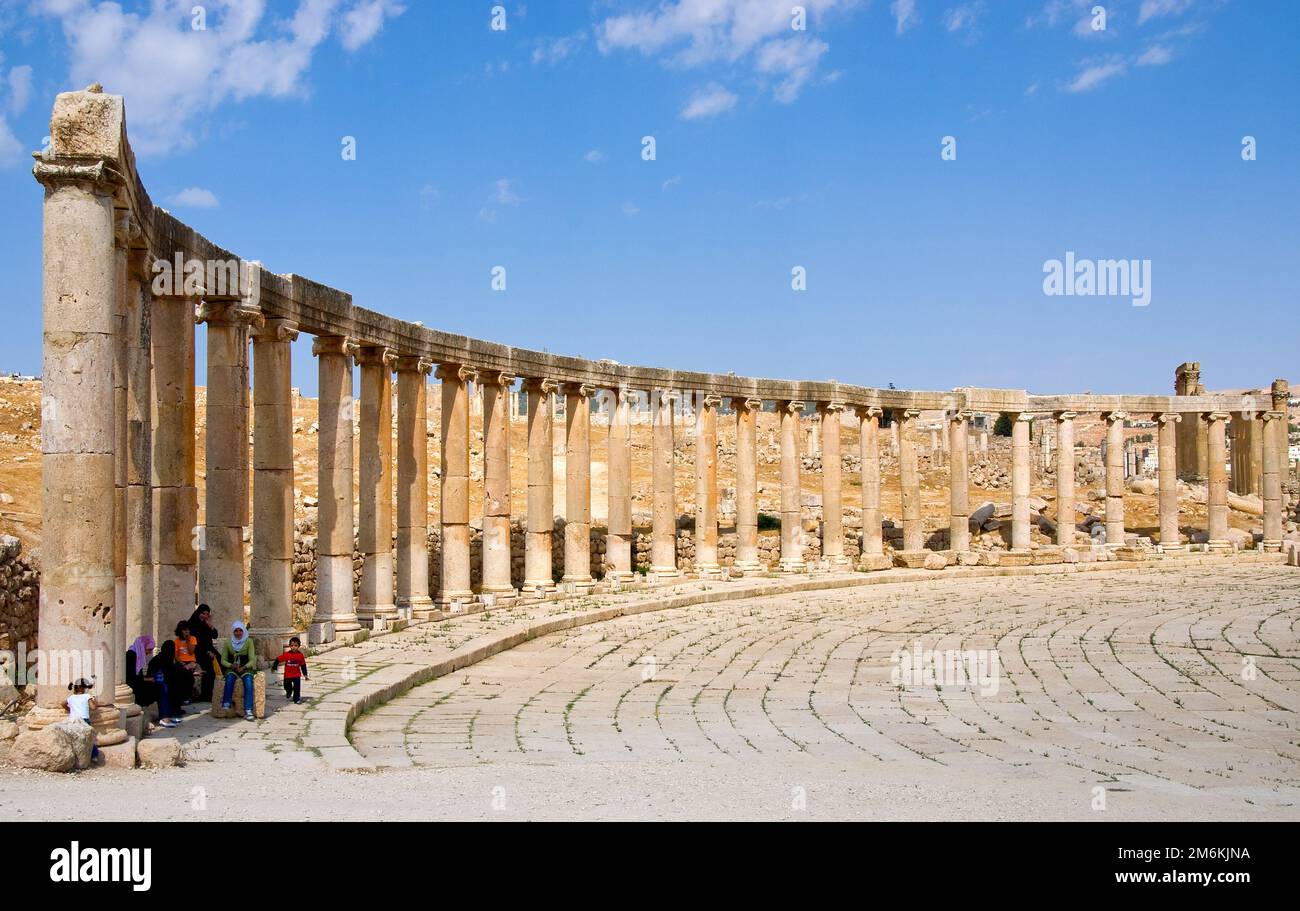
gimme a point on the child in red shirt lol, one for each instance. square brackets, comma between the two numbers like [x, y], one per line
[295, 669]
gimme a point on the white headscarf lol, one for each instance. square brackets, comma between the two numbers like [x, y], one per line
[238, 634]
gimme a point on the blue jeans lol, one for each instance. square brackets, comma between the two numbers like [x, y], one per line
[229, 692]
[165, 708]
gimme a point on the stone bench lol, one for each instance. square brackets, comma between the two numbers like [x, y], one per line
[236, 709]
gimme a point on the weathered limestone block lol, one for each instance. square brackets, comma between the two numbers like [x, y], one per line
[876, 562]
[935, 561]
[237, 700]
[119, 755]
[912, 559]
[82, 738]
[49, 749]
[160, 753]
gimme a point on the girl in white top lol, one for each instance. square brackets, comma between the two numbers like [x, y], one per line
[79, 705]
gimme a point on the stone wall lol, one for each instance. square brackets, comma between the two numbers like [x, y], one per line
[20, 588]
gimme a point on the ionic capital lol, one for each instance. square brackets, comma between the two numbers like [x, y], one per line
[1063, 416]
[908, 414]
[1273, 416]
[1112, 417]
[711, 401]
[456, 373]
[334, 344]
[668, 396]
[959, 416]
[414, 364]
[834, 407]
[742, 403]
[582, 390]
[220, 313]
[1024, 417]
[99, 177]
[1213, 416]
[125, 228]
[795, 407]
[1169, 416]
[377, 356]
[869, 411]
[277, 330]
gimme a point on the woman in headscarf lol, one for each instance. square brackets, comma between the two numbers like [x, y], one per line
[163, 669]
[205, 652]
[137, 664]
[239, 660]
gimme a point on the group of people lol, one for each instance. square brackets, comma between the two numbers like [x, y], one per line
[186, 667]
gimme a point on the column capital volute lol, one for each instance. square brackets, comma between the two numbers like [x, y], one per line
[1168, 417]
[795, 407]
[497, 378]
[101, 177]
[833, 407]
[869, 411]
[909, 414]
[711, 401]
[334, 344]
[1063, 416]
[1112, 417]
[276, 330]
[1024, 417]
[582, 390]
[1267, 416]
[414, 363]
[960, 416]
[456, 373]
[668, 396]
[745, 403]
[229, 313]
[1216, 416]
[541, 384]
[376, 356]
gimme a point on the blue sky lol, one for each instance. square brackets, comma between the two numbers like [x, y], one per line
[775, 148]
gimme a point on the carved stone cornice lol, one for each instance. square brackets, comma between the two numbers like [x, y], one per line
[334, 344]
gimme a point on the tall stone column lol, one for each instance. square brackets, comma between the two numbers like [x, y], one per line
[872, 537]
[1115, 531]
[226, 511]
[454, 578]
[538, 569]
[1065, 514]
[335, 518]
[747, 410]
[706, 489]
[1021, 481]
[832, 485]
[910, 477]
[958, 483]
[1191, 444]
[1217, 469]
[140, 613]
[78, 438]
[1274, 425]
[271, 579]
[413, 487]
[663, 532]
[124, 230]
[1247, 452]
[496, 486]
[577, 485]
[375, 602]
[177, 534]
[618, 542]
[1167, 477]
[791, 493]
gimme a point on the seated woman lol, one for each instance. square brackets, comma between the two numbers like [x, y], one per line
[137, 677]
[162, 669]
[239, 660]
[187, 649]
[205, 634]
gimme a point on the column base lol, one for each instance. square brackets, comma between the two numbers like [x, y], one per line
[1272, 547]
[1220, 547]
[747, 567]
[708, 571]
[839, 561]
[531, 587]
[665, 573]
[369, 615]
[124, 701]
[581, 584]
[407, 608]
[454, 602]
[500, 597]
[792, 565]
[1172, 548]
[107, 722]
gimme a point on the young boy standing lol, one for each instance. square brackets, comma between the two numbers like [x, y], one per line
[295, 669]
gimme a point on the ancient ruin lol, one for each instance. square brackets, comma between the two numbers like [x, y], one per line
[125, 550]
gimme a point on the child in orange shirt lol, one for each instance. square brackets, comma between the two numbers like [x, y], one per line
[187, 647]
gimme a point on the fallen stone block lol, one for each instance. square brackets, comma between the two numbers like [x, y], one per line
[875, 562]
[82, 738]
[911, 559]
[119, 755]
[48, 749]
[991, 558]
[935, 561]
[968, 558]
[1069, 555]
[8, 730]
[160, 753]
[1018, 558]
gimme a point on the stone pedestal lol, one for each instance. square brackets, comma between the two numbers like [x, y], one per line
[1115, 478]
[872, 537]
[959, 497]
[747, 410]
[1167, 474]
[541, 486]
[496, 487]
[577, 485]
[910, 478]
[454, 584]
[791, 513]
[706, 490]
[413, 487]
[663, 533]
[271, 580]
[335, 523]
[1217, 469]
[832, 485]
[619, 541]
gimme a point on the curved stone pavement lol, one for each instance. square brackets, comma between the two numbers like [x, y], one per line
[1125, 681]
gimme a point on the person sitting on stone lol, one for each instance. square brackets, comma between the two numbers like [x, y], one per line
[239, 660]
[137, 664]
[163, 669]
[187, 647]
[79, 705]
[205, 653]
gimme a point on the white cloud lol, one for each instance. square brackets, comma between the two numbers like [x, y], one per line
[595, 156]
[630, 210]
[366, 20]
[1156, 55]
[20, 88]
[555, 50]
[904, 13]
[709, 101]
[671, 182]
[11, 150]
[695, 33]
[504, 193]
[1095, 74]
[172, 75]
[964, 19]
[195, 198]
[429, 196]
[1152, 9]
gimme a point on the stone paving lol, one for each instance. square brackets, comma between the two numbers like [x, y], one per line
[1176, 685]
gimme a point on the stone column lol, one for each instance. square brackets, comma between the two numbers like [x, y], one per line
[496, 486]
[791, 512]
[177, 534]
[375, 602]
[663, 534]
[958, 483]
[706, 489]
[78, 438]
[1066, 518]
[577, 485]
[1274, 425]
[454, 578]
[538, 571]
[226, 512]
[1191, 444]
[1247, 451]
[1115, 477]
[124, 231]
[271, 579]
[832, 485]
[140, 614]
[618, 542]
[1167, 475]
[1217, 470]
[747, 410]
[1021, 481]
[335, 515]
[910, 477]
[413, 487]
[872, 538]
